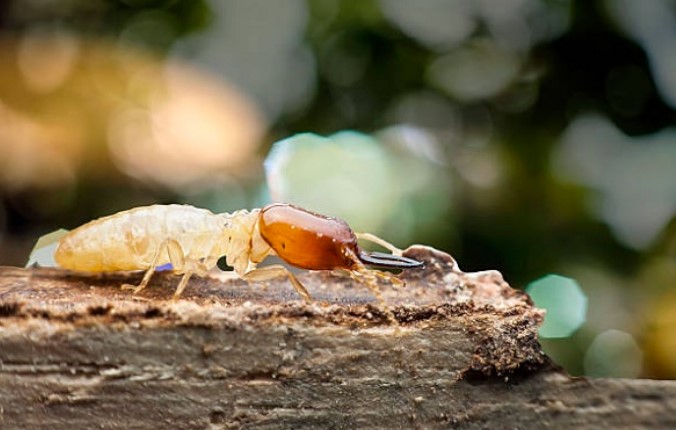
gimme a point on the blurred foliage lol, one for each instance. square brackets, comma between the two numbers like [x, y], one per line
[529, 136]
[153, 24]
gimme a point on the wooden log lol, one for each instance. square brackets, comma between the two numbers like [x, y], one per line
[77, 352]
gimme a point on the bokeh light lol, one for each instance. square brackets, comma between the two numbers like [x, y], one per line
[477, 71]
[36, 153]
[194, 129]
[613, 353]
[348, 171]
[652, 23]
[46, 58]
[564, 301]
[338, 175]
[168, 123]
[593, 152]
[438, 24]
[660, 342]
[264, 53]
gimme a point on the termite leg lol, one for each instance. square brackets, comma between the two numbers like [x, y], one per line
[366, 277]
[370, 279]
[182, 284]
[375, 239]
[200, 267]
[273, 271]
[149, 273]
[377, 273]
[176, 258]
[389, 277]
[176, 255]
[144, 282]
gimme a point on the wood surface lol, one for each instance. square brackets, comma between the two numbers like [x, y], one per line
[78, 352]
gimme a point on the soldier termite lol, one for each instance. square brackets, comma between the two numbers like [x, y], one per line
[193, 240]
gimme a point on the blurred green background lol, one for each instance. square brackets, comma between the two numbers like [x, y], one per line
[536, 137]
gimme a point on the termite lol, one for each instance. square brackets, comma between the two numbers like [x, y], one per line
[192, 240]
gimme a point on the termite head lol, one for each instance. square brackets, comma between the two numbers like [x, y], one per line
[316, 242]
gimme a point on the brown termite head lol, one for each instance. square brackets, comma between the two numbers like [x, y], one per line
[316, 242]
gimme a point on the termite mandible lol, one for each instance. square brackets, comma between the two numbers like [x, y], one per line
[193, 239]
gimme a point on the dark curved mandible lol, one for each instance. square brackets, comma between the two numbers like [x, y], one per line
[391, 261]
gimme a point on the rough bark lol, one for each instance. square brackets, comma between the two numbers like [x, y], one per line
[77, 352]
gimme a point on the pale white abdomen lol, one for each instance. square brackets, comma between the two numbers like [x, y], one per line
[129, 240]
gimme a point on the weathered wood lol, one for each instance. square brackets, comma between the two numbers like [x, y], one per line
[79, 353]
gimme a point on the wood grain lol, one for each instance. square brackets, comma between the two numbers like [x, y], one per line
[77, 352]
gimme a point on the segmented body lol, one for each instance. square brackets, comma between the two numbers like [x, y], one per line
[130, 240]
